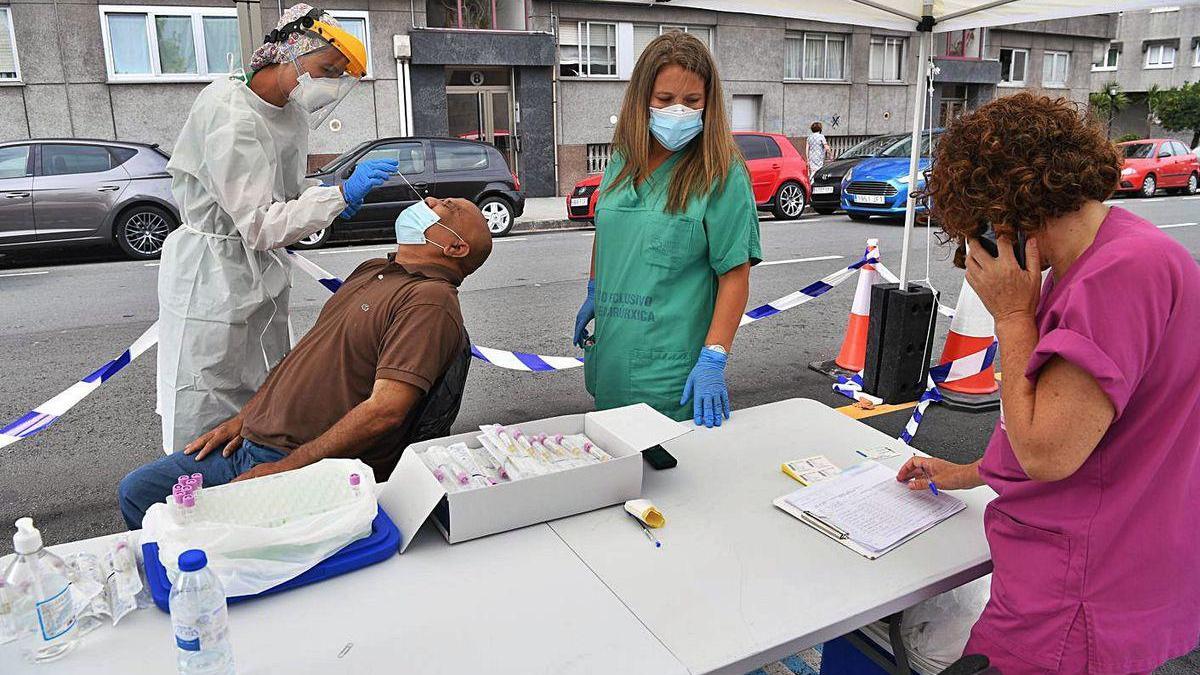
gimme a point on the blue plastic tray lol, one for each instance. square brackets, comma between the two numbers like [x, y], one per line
[381, 544]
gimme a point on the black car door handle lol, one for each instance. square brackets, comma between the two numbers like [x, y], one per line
[108, 188]
[420, 187]
[15, 195]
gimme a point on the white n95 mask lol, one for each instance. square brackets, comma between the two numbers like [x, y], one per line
[314, 94]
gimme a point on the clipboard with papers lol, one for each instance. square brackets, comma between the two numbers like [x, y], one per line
[867, 510]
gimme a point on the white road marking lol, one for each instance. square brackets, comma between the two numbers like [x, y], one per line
[587, 234]
[1167, 227]
[800, 260]
[151, 265]
[24, 274]
[499, 239]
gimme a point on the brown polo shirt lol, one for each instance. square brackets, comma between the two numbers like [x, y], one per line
[387, 321]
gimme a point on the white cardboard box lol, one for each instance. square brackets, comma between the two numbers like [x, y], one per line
[413, 494]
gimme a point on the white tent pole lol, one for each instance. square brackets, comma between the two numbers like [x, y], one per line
[914, 158]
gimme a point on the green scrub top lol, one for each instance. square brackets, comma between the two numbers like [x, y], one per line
[656, 283]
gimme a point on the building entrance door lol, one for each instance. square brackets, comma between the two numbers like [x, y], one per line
[954, 103]
[479, 105]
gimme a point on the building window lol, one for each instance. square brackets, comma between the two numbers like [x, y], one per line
[964, 44]
[1013, 64]
[170, 43]
[587, 49]
[887, 59]
[1196, 53]
[185, 43]
[1111, 59]
[1055, 67]
[1160, 56]
[644, 33]
[10, 69]
[598, 155]
[816, 56]
[476, 14]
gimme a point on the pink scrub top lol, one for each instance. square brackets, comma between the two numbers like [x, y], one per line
[1117, 544]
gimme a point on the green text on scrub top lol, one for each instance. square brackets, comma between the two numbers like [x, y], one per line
[656, 282]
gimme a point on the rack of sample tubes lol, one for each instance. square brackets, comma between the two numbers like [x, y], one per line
[508, 454]
[264, 503]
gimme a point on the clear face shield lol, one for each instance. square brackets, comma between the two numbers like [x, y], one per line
[321, 84]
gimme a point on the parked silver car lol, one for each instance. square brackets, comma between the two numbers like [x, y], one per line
[72, 191]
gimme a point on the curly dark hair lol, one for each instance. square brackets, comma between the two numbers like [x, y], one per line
[1017, 161]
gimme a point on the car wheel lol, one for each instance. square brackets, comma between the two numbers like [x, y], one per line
[859, 217]
[498, 214]
[1193, 185]
[824, 211]
[1149, 186]
[315, 240]
[789, 201]
[141, 231]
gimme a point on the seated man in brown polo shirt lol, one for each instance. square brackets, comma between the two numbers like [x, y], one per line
[349, 385]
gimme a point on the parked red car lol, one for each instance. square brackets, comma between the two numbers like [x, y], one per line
[1155, 163]
[778, 175]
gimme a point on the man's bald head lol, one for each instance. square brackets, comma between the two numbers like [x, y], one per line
[471, 248]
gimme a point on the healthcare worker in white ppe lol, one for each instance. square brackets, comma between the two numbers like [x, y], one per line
[238, 176]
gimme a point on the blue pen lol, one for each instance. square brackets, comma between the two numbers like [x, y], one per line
[932, 485]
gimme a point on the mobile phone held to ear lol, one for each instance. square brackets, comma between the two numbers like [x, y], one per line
[987, 239]
[658, 458]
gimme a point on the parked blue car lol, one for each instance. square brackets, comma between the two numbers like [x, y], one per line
[879, 186]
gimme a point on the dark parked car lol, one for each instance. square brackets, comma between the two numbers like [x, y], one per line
[435, 167]
[827, 182]
[73, 191]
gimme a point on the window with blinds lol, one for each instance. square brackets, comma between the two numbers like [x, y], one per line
[887, 59]
[9, 69]
[644, 33]
[815, 56]
[587, 49]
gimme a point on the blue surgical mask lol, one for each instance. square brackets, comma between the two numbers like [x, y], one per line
[412, 223]
[676, 125]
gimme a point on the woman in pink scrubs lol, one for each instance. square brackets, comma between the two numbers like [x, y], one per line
[1095, 532]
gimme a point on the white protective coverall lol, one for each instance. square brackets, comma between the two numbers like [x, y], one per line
[238, 176]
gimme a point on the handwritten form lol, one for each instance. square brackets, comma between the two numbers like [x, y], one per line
[872, 507]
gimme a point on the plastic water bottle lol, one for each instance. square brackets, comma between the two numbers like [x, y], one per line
[200, 618]
[38, 588]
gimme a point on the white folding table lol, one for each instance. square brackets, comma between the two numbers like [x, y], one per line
[739, 583]
[736, 584]
[517, 603]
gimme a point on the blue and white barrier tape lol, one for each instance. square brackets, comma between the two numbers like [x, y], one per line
[809, 292]
[45, 414]
[961, 368]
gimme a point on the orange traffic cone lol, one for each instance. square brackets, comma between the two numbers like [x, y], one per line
[972, 330]
[853, 354]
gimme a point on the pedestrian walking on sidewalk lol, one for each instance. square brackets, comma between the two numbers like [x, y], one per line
[818, 149]
[676, 234]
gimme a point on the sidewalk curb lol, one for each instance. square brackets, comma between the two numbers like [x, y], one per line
[537, 226]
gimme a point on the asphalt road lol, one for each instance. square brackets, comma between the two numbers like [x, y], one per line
[66, 313]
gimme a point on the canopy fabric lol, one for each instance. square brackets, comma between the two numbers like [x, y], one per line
[950, 14]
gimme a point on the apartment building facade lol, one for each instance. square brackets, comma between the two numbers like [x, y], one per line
[541, 80]
[1151, 48]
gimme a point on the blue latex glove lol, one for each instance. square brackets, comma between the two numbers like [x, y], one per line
[368, 175]
[706, 387]
[348, 212]
[587, 312]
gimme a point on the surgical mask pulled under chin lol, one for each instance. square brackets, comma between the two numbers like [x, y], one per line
[412, 223]
[676, 125]
[314, 94]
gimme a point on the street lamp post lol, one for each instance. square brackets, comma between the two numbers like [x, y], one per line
[1112, 104]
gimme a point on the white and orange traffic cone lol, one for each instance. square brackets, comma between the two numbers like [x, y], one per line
[972, 330]
[853, 354]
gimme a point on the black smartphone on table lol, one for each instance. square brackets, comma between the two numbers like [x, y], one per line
[658, 458]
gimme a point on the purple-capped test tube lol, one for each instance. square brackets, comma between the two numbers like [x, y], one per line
[199, 478]
[183, 479]
[355, 479]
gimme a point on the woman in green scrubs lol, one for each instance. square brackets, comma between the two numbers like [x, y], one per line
[676, 234]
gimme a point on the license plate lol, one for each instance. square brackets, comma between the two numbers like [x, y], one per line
[870, 199]
[823, 190]
[579, 201]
